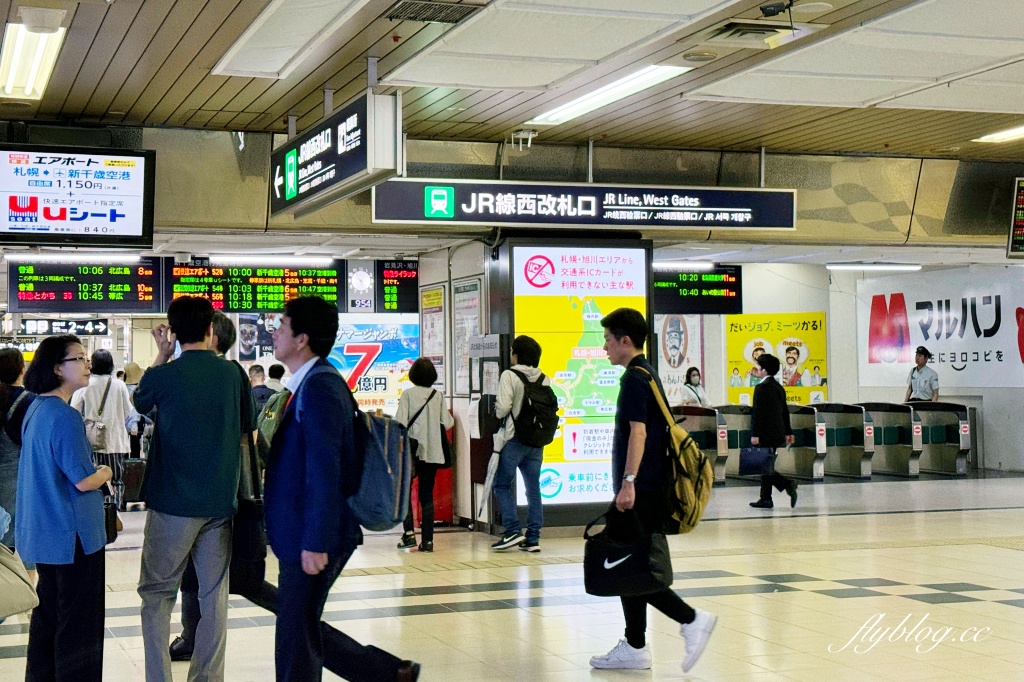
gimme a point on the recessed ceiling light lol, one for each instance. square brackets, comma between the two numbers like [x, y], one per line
[700, 56]
[1003, 135]
[812, 7]
[683, 265]
[877, 267]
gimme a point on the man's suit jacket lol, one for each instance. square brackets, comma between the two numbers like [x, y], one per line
[312, 469]
[769, 419]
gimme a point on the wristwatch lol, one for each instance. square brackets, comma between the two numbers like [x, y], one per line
[629, 478]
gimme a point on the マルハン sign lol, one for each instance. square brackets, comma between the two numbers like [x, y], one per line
[526, 204]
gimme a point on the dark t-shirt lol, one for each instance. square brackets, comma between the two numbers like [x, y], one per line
[261, 394]
[636, 403]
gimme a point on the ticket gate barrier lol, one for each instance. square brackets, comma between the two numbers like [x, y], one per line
[733, 434]
[897, 437]
[707, 430]
[849, 439]
[806, 459]
[945, 437]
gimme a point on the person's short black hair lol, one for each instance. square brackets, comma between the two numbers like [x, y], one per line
[816, 368]
[120, 374]
[275, 371]
[423, 373]
[317, 319]
[12, 364]
[792, 349]
[190, 317]
[690, 371]
[527, 351]
[102, 362]
[627, 322]
[769, 363]
[224, 330]
[256, 371]
[41, 376]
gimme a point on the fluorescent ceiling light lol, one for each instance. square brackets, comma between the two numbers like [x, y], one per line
[878, 267]
[613, 92]
[683, 265]
[1003, 135]
[27, 61]
[73, 257]
[283, 35]
[272, 261]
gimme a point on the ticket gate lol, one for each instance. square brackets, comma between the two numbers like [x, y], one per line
[945, 437]
[806, 459]
[702, 423]
[849, 439]
[733, 434]
[896, 437]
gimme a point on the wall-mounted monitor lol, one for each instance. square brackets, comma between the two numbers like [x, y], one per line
[76, 196]
[677, 291]
[49, 287]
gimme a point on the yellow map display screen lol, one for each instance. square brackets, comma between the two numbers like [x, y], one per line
[561, 294]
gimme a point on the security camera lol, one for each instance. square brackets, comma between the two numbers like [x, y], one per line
[774, 9]
[182, 258]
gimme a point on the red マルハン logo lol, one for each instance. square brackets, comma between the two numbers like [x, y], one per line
[889, 330]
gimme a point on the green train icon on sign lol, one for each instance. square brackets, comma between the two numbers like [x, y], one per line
[438, 202]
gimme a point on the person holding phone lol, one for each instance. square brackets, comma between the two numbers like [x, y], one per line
[60, 519]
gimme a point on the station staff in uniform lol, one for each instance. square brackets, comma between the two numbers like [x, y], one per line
[923, 382]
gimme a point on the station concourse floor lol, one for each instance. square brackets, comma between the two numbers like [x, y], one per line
[786, 584]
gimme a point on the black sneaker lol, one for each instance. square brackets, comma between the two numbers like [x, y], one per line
[408, 541]
[427, 546]
[762, 504]
[530, 546]
[180, 650]
[508, 541]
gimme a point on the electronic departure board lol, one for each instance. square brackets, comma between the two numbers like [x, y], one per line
[711, 292]
[44, 287]
[253, 289]
[1015, 242]
[398, 286]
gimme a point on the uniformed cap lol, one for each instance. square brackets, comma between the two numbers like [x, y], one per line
[921, 350]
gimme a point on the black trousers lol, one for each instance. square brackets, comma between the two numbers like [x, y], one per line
[65, 636]
[650, 510]
[299, 644]
[775, 479]
[427, 473]
[337, 646]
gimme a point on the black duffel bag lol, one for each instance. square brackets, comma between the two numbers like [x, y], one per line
[249, 534]
[624, 559]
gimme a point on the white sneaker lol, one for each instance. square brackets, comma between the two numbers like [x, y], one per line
[624, 657]
[696, 635]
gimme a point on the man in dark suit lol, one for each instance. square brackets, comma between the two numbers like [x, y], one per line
[769, 427]
[312, 469]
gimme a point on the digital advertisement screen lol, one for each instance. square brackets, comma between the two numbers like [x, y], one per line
[560, 296]
[44, 287]
[712, 292]
[249, 289]
[76, 195]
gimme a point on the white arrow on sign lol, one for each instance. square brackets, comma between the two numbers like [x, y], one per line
[278, 181]
[101, 327]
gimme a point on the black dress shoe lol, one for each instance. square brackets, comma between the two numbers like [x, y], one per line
[791, 489]
[762, 504]
[181, 650]
[408, 671]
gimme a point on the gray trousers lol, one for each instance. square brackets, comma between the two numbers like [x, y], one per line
[169, 540]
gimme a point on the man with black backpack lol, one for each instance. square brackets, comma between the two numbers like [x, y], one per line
[529, 409]
[642, 476]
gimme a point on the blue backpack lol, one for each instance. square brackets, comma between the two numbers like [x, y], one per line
[382, 444]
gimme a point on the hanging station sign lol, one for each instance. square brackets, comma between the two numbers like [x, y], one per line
[534, 204]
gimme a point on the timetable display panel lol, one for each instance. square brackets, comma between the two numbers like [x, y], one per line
[253, 289]
[398, 286]
[681, 292]
[45, 287]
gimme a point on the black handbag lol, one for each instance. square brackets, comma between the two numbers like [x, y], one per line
[625, 560]
[110, 520]
[756, 460]
[249, 538]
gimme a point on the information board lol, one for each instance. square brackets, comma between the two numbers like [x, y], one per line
[398, 286]
[1015, 242]
[76, 195]
[526, 204]
[711, 292]
[44, 287]
[249, 289]
[48, 327]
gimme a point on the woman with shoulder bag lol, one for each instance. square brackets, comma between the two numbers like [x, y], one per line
[14, 402]
[422, 410]
[60, 519]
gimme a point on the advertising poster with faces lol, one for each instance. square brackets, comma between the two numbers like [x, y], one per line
[256, 335]
[680, 346]
[798, 340]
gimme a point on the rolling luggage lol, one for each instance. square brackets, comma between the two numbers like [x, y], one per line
[134, 470]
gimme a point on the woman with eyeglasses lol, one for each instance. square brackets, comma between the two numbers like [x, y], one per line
[60, 519]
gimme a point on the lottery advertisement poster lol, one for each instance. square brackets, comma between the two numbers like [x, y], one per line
[374, 353]
[560, 296]
[797, 339]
